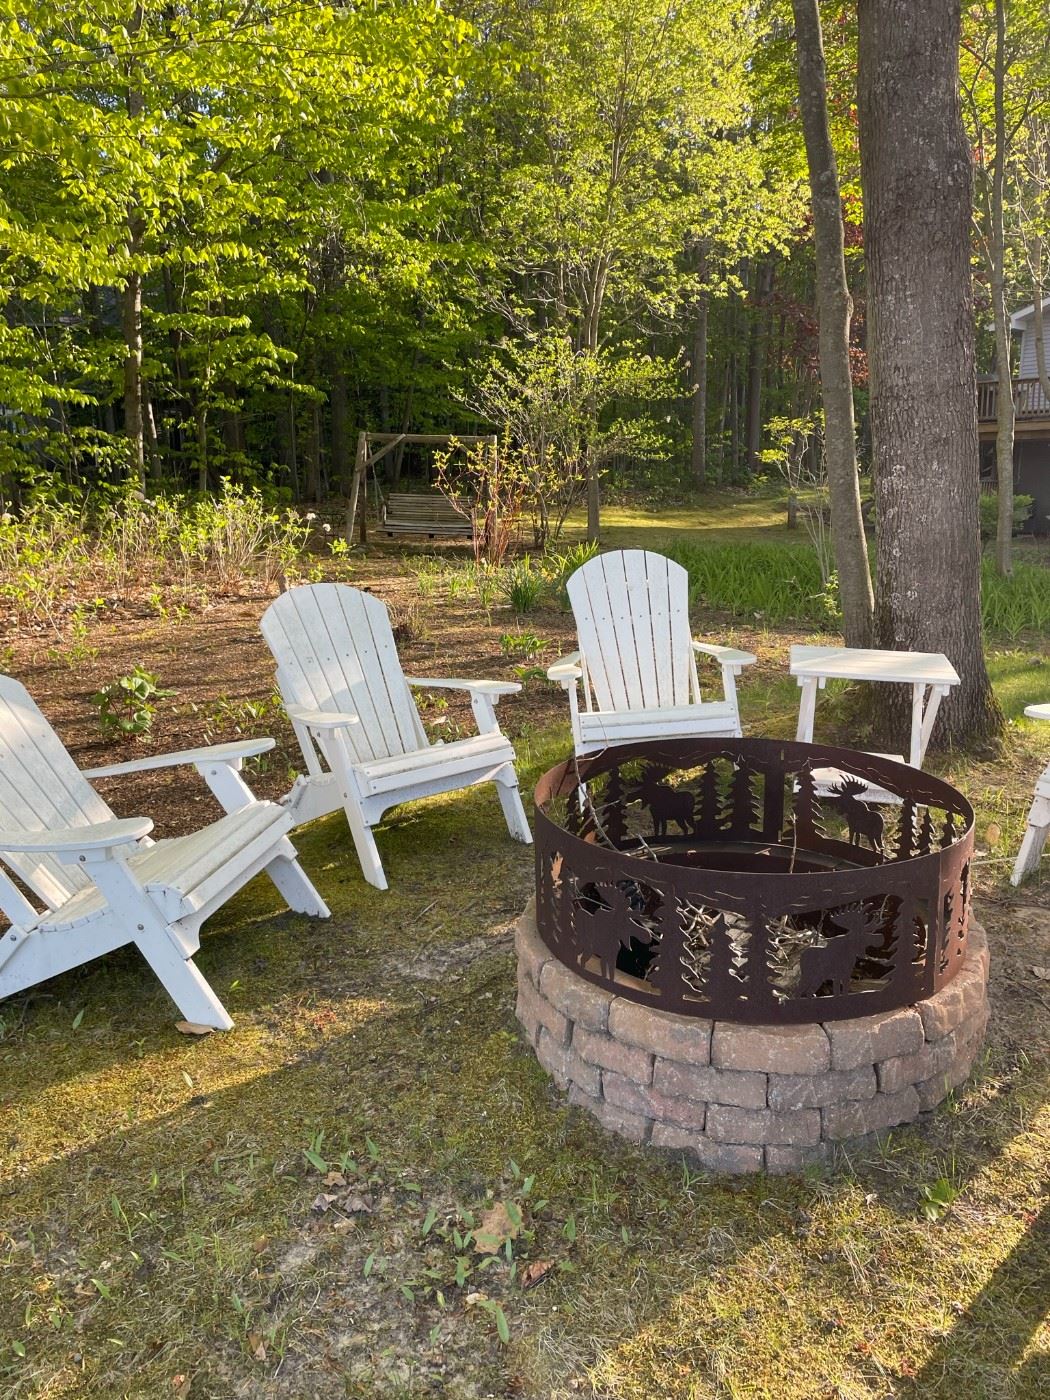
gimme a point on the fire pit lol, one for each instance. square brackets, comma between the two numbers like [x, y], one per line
[733, 951]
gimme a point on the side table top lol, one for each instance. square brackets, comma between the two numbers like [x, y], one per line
[861, 664]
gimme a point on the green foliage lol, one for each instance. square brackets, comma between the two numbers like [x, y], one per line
[57, 553]
[126, 706]
[523, 585]
[777, 584]
[988, 503]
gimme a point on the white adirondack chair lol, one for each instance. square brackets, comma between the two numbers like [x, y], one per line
[351, 706]
[102, 882]
[1038, 827]
[636, 666]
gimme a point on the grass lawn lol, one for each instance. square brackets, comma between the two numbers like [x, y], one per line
[284, 1210]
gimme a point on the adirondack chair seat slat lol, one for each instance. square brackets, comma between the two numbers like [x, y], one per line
[454, 757]
[363, 742]
[180, 872]
[104, 883]
[676, 722]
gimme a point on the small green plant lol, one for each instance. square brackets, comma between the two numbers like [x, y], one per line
[559, 568]
[935, 1201]
[523, 585]
[524, 644]
[127, 706]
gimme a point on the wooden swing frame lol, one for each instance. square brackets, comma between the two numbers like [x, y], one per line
[373, 447]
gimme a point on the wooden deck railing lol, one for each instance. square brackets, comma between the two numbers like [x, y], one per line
[1029, 399]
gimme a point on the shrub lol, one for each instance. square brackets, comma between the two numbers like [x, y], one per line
[988, 506]
[126, 706]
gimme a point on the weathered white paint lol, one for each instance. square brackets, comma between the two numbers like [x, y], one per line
[103, 882]
[1038, 827]
[362, 740]
[635, 670]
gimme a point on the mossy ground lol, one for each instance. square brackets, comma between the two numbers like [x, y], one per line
[161, 1231]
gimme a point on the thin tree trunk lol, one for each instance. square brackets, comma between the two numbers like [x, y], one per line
[1004, 413]
[834, 311]
[131, 302]
[916, 172]
[756, 365]
[340, 445]
[698, 386]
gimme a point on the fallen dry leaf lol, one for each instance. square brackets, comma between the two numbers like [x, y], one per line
[180, 1384]
[257, 1346]
[536, 1272]
[192, 1028]
[324, 1201]
[356, 1204]
[993, 834]
[335, 1179]
[495, 1230]
[1043, 973]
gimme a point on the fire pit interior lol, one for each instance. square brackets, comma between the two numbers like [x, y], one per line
[747, 887]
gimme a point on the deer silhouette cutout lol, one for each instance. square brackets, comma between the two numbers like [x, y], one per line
[608, 919]
[861, 818]
[834, 961]
[666, 806]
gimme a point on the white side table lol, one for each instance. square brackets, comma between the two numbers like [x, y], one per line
[1038, 817]
[929, 674]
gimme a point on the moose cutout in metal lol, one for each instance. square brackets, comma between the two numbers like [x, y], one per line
[708, 877]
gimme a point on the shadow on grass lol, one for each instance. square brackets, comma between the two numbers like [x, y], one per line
[1003, 1318]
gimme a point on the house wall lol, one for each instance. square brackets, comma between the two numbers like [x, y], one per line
[1032, 478]
[1026, 365]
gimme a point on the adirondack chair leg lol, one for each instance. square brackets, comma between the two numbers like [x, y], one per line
[513, 808]
[293, 884]
[1036, 833]
[365, 845]
[183, 981]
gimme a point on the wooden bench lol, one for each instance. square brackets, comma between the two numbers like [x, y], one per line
[433, 515]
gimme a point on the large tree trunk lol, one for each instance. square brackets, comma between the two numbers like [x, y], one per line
[915, 166]
[834, 310]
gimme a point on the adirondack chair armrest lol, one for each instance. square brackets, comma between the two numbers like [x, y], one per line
[495, 690]
[233, 752]
[69, 842]
[567, 670]
[321, 719]
[727, 657]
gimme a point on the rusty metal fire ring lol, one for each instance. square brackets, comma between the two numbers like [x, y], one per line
[753, 880]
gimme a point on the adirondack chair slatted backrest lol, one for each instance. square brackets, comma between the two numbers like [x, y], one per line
[41, 789]
[632, 620]
[335, 651]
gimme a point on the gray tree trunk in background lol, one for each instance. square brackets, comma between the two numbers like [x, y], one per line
[834, 311]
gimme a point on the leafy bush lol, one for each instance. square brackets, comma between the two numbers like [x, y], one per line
[988, 506]
[126, 706]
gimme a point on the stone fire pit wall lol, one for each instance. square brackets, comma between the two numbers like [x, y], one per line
[743, 1098]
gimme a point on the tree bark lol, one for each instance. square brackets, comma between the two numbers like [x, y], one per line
[1004, 411]
[916, 174]
[698, 386]
[131, 301]
[834, 312]
[756, 364]
[340, 445]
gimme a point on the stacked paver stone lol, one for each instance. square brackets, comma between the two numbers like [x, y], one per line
[746, 1098]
